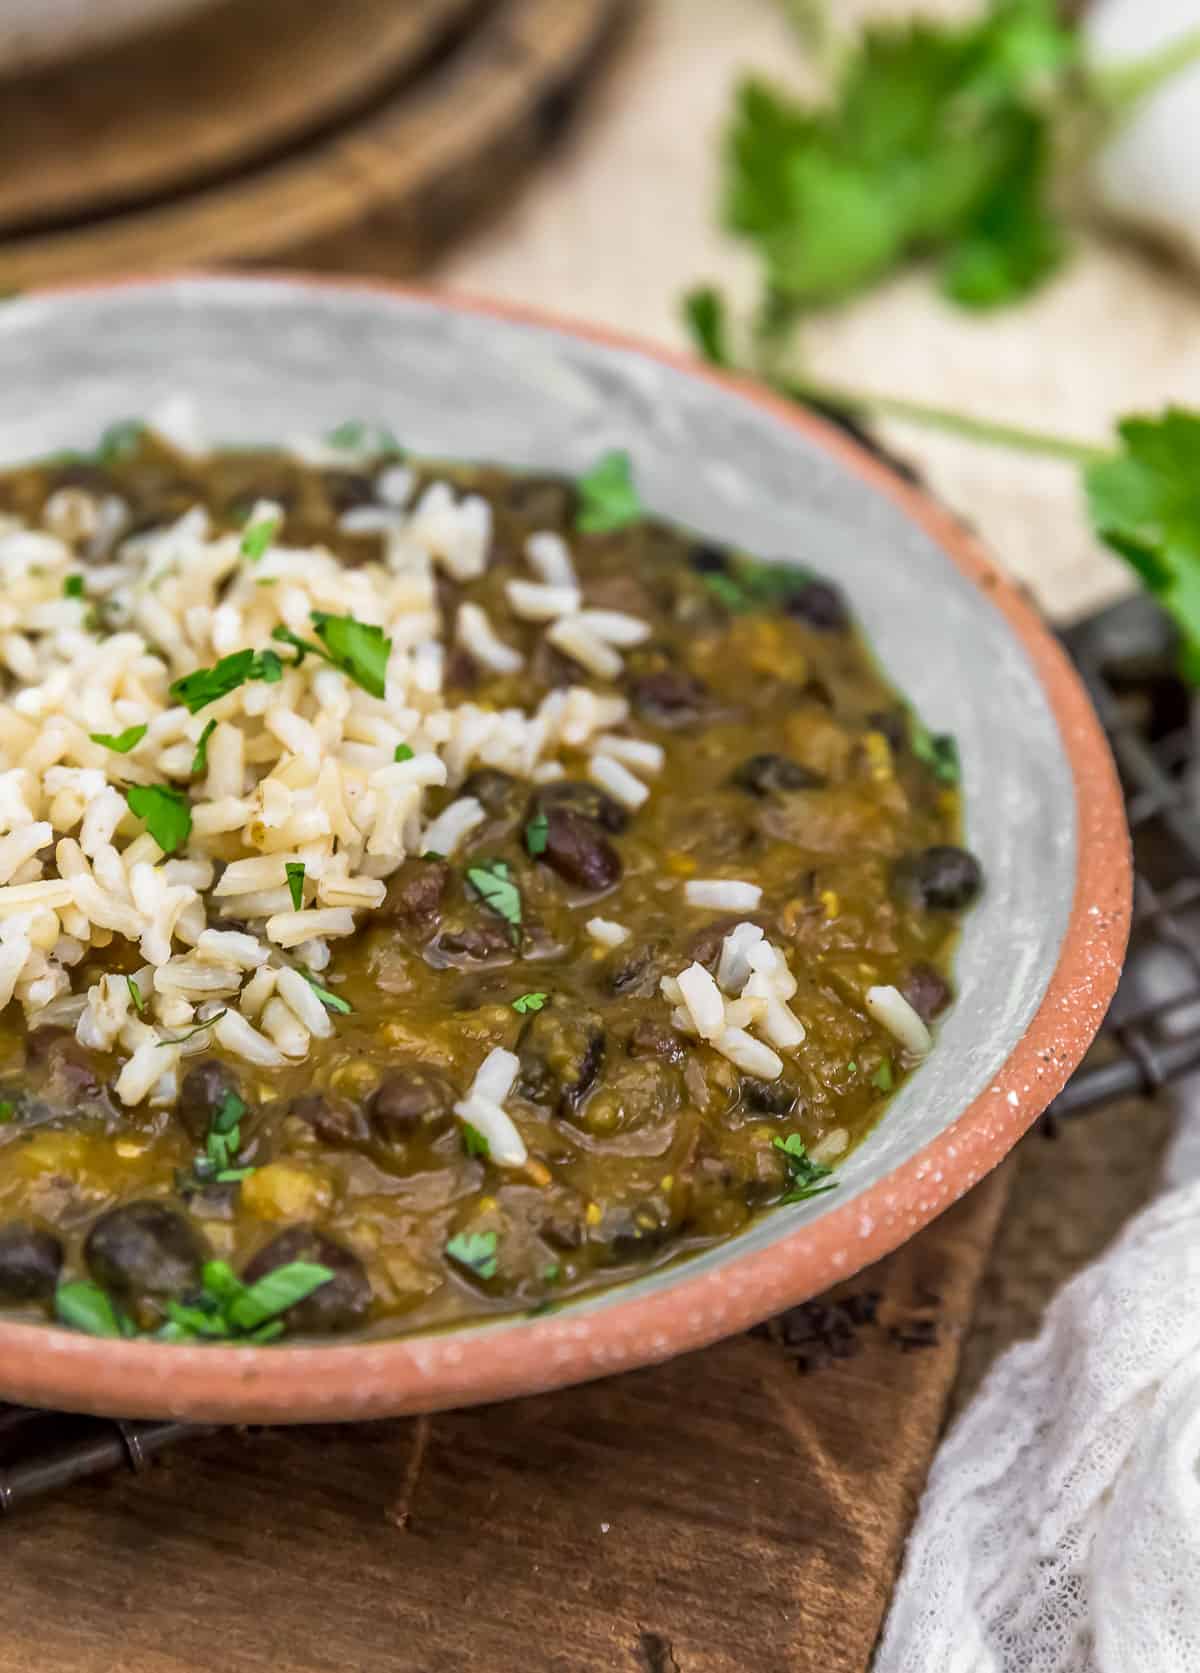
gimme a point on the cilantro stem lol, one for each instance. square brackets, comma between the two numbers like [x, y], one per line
[1117, 88]
[860, 404]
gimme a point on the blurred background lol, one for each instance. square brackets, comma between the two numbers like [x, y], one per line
[574, 154]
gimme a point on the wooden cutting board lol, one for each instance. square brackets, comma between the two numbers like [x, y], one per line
[265, 131]
[740, 1510]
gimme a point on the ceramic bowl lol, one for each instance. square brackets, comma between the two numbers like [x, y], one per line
[267, 358]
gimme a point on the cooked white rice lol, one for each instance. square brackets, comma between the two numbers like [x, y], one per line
[750, 991]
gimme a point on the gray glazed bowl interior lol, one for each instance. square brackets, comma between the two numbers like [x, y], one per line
[266, 360]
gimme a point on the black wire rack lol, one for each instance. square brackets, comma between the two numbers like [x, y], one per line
[1127, 657]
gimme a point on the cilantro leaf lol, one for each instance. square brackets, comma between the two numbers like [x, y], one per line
[7, 1110]
[355, 435]
[498, 892]
[258, 538]
[294, 871]
[608, 499]
[200, 758]
[704, 314]
[274, 1293]
[122, 742]
[200, 1028]
[474, 1143]
[403, 753]
[359, 649]
[529, 1002]
[804, 1176]
[938, 750]
[73, 586]
[119, 441]
[1144, 502]
[165, 812]
[331, 1001]
[208, 685]
[84, 1306]
[537, 834]
[135, 995]
[937, 139]
[474, 1252]
[883, 1077]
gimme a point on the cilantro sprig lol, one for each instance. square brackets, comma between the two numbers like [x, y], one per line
[491, 882]
[608, 499]
[475, 1252]
[222, 1309]
[165, 812]
[804, 1177]
[360, 649]
[122, 742]
[208, 685]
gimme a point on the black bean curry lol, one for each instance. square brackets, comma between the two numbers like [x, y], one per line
[789, 763]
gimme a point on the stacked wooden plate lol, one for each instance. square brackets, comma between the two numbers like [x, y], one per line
[349, 133]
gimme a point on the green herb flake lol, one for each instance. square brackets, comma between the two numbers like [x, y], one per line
[704, 313]
[432, 854]
[135, 995]
[529, 1002]
[360, 649]
[936, 750]
[474, 1252]
[883, 1077]
[258, 537]
[852, 1068]
[474, 1143]
[804, 1176]
[294, 870]
[7, 1110]
[120, 441]
[537, 834]
[552, 1273]
[355, 435]
[208, 685]
[403, 753]
[331, 1001]
[73, 586]
[608, 499]
[84, 1306]
[267, 667]
[200, 1028]
[122, 742]
[165, 812]
[200, 758]
[274, 1293]
[498, 892]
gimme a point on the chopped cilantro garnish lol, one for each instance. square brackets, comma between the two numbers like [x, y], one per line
[182, 1039]
[267, 667]
[359, 649]
[355, 435]
[498, 892]
[529, 1002]
[852, 1068]
[331, 1001]
[200, 758]
[84, 1306]
[135, 995]
[432, 854]
[208, 685]
[937, 750]
[166, 813]
[804, 1176]
[883, 1077]
[475, 1252]
[122, 742]
[608, 499]
[704, 310]
[403, 753]
[537, 834]
[73, 586]
[273, 1294]
[7, 1109]
[258, 537]
[294, 870]
[119, 441]
[552, 1273]
[474, 1143]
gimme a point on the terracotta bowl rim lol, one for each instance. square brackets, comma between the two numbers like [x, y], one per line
[47, 1366]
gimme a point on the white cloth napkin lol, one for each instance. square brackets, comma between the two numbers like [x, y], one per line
[1060, 1527]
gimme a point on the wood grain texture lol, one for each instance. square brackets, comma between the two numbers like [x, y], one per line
[229, 87]
[395, 182]
[714, 1515]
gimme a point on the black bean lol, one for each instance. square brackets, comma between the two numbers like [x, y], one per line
[587, 800]
[819, 604]
[768, 1097]
[927, 991]
[941, 879]
[335, 1121]
[145, 1248]
[204, 1089]
[654, 1039]
[340, 1304]
[707, 560]
[671, 698]
[579, 852]
[770, 775]
[30, 1261]
[561, 1050]
[409, 1100]
[347, 489]
[415, 894]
